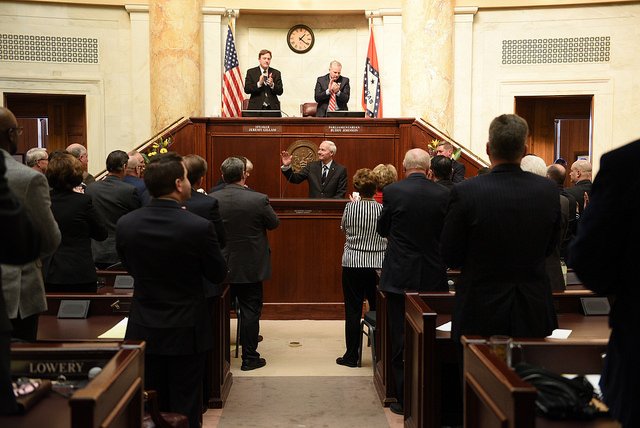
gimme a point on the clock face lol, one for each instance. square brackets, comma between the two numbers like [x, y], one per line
[300, 38]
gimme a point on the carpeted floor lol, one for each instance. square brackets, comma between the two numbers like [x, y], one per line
[301, 385]
[303, 402]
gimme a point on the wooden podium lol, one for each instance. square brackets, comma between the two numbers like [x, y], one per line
[307, 246]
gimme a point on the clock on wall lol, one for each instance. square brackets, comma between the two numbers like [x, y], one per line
[300, 38]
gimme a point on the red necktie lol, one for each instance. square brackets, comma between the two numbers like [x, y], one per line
[333, 106]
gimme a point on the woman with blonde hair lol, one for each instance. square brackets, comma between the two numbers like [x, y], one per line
[385, 174]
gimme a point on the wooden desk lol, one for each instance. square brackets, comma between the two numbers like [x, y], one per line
[307, 247]
[109, 306]
[495, 396]
[111, 399]
[428, 350]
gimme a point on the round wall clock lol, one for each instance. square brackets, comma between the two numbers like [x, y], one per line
[300, 38]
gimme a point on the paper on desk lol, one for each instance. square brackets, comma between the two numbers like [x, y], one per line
[117, 331]
[445, 327]
[559, 333]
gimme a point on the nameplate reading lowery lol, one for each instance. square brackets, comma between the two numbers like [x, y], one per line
[36, 367]
[262, 128]
[343, 129]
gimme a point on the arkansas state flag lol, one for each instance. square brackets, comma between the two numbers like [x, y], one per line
[371, 94]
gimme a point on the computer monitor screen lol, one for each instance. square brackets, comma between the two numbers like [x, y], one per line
[345, 113]
[261, 113]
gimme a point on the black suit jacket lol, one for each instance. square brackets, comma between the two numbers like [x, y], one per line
[207, 207]
[334, 187]
[499, 229]
[321, 97]
[168, 250]
[578, 191]
[247, 215]
[113, 198]
[79, 223]
[411, 219]
[605, 255]
[458, 171]
[264, 94]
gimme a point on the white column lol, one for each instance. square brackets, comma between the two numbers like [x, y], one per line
[214, 33]
[463, 74]
[140, 74]
[427, 61]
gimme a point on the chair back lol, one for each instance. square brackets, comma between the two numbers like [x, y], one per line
[308, 109]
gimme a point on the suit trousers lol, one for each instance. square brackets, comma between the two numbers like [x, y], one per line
[7, 399]
[25, 328]
[178, 381]
[357, 284]
[395, 315]
[250, 304]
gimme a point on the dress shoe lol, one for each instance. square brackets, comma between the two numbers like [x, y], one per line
[341, 361]
[253, 364]
[396, 408]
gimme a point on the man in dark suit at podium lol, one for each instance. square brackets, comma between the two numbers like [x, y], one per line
[327, 178]
[264, 84]
[332, 90]
[168, 250]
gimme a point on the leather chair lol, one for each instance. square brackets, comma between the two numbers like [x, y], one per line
[245, 104]
[369, 321]
[308, 109]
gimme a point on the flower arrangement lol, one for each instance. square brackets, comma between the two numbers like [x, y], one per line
[432, 147]
[159, 146]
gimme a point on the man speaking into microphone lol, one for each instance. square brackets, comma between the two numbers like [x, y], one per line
[264, 84]
[332, 90]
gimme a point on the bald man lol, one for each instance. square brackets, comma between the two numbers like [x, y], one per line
[411, 219]
[580, 176]
[80, 152]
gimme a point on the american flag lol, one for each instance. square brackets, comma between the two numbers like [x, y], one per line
[232, 86]
[371, 94]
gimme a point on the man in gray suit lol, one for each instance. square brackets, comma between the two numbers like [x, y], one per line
[247, 215]
[113, 198]
[22, 285]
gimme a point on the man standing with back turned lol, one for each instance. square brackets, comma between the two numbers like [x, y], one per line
[609, 232]
[411, 219]
[168, 250]
[247, 215]
[499, 229]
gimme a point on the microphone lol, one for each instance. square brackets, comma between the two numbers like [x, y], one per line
[284, 189]
[283, 112]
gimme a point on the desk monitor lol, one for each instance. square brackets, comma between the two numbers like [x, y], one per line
[345, 113]
[261, 113]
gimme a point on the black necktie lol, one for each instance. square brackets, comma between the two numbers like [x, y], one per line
[325, 169]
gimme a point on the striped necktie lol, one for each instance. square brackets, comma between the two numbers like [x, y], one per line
[325, 170]
[333, 105]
